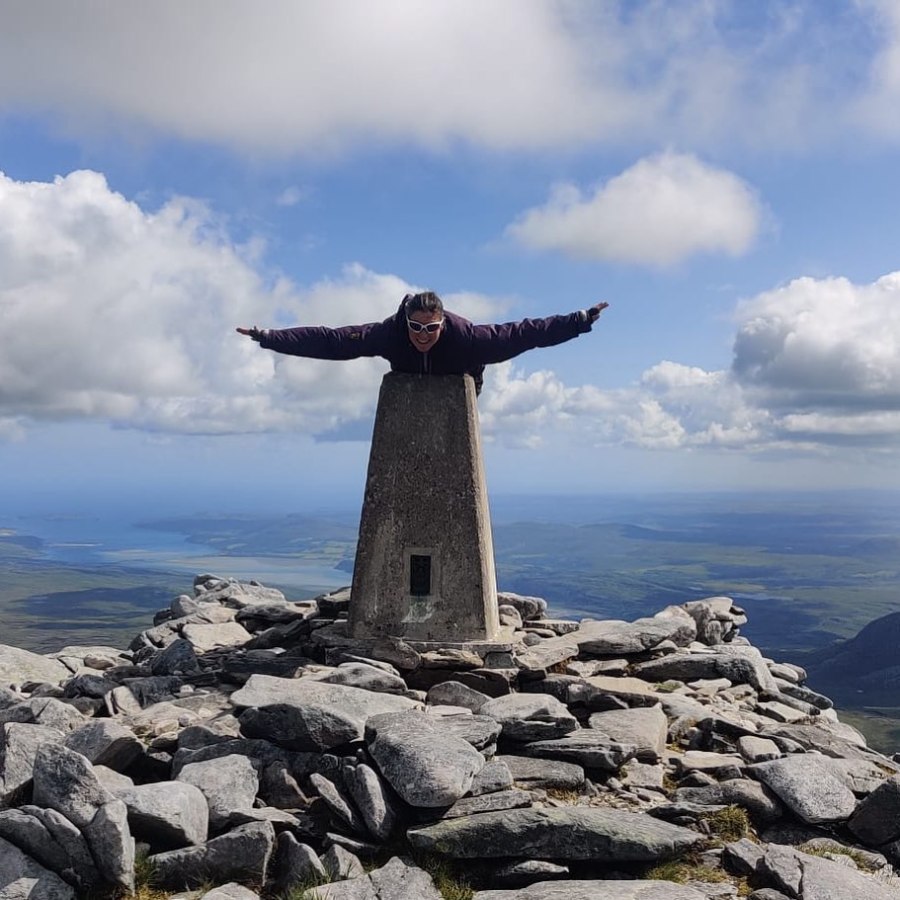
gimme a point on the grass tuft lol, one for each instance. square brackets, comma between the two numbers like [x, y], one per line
[729, 824]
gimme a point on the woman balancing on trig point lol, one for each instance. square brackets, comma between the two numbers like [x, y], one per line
[423, 338]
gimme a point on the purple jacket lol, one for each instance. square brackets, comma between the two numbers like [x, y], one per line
[463, 348]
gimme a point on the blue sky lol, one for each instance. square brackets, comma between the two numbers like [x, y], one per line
[724, 174]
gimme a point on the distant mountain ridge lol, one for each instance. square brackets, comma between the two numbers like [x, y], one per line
[867, 664]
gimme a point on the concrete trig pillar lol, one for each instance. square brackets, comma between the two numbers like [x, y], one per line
[424, 566]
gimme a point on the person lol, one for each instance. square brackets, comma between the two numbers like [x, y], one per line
[424, 338]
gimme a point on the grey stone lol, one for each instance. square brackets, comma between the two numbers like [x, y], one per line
[634, 774]
[47, 711]
[366, 677]
[241, 854]
[530, 717]
[178, 658]
[494, 802]
[814, 878]
[356, 889]
[759, 802]
[478, 730]
[424, 765]
[563, 833]
[18, 666]
[525, 872]
[399, 879]
[808, 787]
[341, 808]
[373, 801]
[228, 783]
[433, 418]
[297, 862]
[230, 891]
[309, 715]
[340, 863]
[634, 691]
[106, 743]
[112, 845]
[588, 747]
[547, 654]
[597, 890]
[166, 814]
[876, 820]
[239, 594]
[615, 638]
[454, 693]
[706, 761]
[757, 749]
[742, 857]
[644, 728]
[54, 838]
[21, 878]
[528, 607]
[495, 776]
[543, 773]
[211, 637]
[19, 743]
[64, 780]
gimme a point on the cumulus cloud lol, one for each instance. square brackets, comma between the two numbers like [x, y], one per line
[114, 313]
[309, 77]
[658, 212]
[815, 368]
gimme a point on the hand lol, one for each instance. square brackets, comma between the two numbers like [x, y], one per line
[595, 310]
[253, 333]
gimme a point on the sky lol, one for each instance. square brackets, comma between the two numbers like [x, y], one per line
[722, 173]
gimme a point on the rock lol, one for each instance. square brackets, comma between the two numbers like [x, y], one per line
[166, 814]
[494, 802]
[597, 890]
[454, 693]
[543, 773]
[530, 717]
[399, 879]
[18, 666]
[876, 820]
[588, 747]
[528, 607]
[309, 715]
[178, 658]
[373, 801]
[366, 677]
[761, 805]
[241, 854]
[808, 787]
[614, 638]
[478, 730]
[22, 878]
[424, 765]
[19, 744]
[297, 862]
[106, 743]
[563, 833]
[756, 749]
[210, 637]
[229, 783]
[495, 776]
[111, 844]
[341, 808]
[644, 728]
[814, 878]
[65, 781]
[230, 891]
[340, 863]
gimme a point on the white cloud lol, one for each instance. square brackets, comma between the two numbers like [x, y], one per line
[816, 369]
[117, 314]
[309, 77]
[291, 196]
[660, 211]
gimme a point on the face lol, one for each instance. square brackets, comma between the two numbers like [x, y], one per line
[423, 341]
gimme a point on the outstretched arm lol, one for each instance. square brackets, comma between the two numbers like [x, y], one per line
[318, 342]
[497, 343]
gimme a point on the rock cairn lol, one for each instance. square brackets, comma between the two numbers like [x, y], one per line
[246, 742]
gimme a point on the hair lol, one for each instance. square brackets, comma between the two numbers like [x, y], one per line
[426, 302]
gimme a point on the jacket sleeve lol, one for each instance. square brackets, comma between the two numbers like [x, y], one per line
[318, 342]
[497, 343]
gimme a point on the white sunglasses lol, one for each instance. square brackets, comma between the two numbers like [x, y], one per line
[430, 328]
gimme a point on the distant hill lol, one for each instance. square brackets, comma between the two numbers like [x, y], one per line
[863, 668]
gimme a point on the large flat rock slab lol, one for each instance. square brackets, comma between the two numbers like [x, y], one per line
[18, 666]
[310, 715]
[577, 832]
